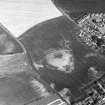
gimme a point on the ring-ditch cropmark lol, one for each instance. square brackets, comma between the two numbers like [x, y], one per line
[62, 59]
